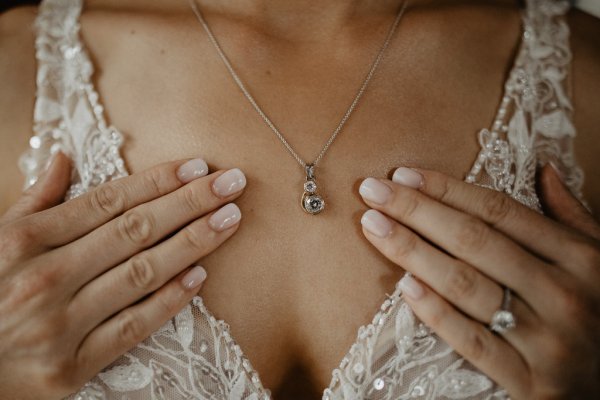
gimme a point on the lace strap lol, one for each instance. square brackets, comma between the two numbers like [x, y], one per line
[56, 42]
[67, 114]
[534, 122]
[548, 101]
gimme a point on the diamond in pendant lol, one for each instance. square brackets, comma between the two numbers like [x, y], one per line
[313, 204]
[310, 186]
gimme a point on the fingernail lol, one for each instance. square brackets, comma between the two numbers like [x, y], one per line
[374, 190]
[408, 177]
[191, 170]
[225, 217]
[194, 277]
[411, 287]
[229, 183]
[376, 223]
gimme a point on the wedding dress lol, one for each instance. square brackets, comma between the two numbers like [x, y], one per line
[193, 356]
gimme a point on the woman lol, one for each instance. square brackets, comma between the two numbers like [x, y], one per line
[102, 288]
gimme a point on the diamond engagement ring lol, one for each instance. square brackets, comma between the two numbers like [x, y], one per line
[503, 319]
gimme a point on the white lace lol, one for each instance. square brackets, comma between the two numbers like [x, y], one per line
[395, 356]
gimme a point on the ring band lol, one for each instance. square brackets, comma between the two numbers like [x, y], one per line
[504, 320]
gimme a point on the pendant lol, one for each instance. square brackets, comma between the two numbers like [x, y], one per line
[311, 202]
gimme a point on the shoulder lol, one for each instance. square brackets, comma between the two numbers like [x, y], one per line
[17, 80]
[585, 44]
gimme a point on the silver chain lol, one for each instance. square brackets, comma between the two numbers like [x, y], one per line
[259, 110]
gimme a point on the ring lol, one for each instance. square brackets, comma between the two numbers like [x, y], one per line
[503, 319]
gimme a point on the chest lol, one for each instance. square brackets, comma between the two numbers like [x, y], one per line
[294, 287]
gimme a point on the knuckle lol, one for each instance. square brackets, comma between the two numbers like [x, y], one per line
[170, 305]
[405, 245]
[436, 318]
[472, 235]
[445, 188]
[461, 282]
[192, 199]
[130, 329]
[141, 273]
[44, 278]
[406, 203]
[569, 300]
[158, 180]
[17, 238]
[108, 198]
[477, 345]
[195, 240]
[573, 304]
[559, 352]
[61, 374]
[587, 253]
[30, 285]
[136, 227]
[497, 207]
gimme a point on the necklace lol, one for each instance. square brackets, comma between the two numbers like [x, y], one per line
[311, 202]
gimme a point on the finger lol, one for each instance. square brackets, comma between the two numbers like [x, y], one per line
[151, 269]
[513, 219]
[48, 191]
[488, 352]
[131, 326]
[561, 205]
[464, 236]
[462, 285]
[90, 210]
[146, 224]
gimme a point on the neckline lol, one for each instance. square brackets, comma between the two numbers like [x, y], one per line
[384, 309]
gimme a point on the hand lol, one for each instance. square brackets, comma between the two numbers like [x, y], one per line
[464, 244]
[84, 281]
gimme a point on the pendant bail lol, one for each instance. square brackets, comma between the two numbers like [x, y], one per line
[310, 172]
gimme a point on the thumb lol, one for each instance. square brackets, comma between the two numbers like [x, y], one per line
[560, 204]
[48, 191]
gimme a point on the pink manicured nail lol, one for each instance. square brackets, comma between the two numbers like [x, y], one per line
[194, 277]
[191, 170]
[376, 223]
[229, 183]
[225, 217]
[374, 190]
[408, 177]
[411, 287]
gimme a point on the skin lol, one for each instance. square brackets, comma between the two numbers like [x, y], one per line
[299, 302]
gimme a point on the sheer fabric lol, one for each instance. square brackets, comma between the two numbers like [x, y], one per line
[193, 356]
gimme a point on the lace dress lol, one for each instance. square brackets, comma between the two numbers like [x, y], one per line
[193, 356]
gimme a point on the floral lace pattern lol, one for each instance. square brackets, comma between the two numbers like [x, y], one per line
[194, 356]
[191, 357]
[533, 124]
[67, 114]
[396, 357]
